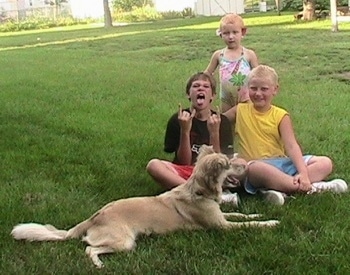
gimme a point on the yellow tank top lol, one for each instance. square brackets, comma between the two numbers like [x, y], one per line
[257, 134]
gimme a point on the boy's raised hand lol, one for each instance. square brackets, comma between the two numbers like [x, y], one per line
[185, 119]
[213, 122]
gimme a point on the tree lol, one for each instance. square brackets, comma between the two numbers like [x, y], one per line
[309, 9]
[107, 14]
[279, 6]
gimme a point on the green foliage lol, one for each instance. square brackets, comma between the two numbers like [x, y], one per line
[130, 5]
[34, 23]
[185, 13]
[141, 14]
[54, 2]
[297, 5]
[171, 14]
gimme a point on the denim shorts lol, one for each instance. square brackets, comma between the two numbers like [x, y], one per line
[283, 164]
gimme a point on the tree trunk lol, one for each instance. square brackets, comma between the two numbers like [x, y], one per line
[279, 6]
[308, 10]
[107, 14]
[55, 11]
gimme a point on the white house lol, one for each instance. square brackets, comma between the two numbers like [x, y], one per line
[78, 8]
[218, 7]
[85, 9]
[173, 5]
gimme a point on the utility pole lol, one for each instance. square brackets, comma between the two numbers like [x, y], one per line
[334, 15]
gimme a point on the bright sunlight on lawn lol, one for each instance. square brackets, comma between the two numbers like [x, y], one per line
[84, 110]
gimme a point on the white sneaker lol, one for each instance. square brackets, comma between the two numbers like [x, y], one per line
[273, 196]
[232, 198]
[335, 186]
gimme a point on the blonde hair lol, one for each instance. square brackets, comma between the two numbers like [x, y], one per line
[231, 18]
[264, 71]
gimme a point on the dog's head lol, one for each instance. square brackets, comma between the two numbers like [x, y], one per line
[211, 171]
[240, 168]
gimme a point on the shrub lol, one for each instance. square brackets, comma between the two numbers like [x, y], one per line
[297, 5]
[146, 13]
[171, 14]
[9, 26]
[39, 22]
[187, 12]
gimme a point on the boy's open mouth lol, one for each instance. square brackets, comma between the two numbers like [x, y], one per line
[200, 98]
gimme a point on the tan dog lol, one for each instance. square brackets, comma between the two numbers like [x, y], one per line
[194, 205]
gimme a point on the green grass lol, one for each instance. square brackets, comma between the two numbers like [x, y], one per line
[83, 110]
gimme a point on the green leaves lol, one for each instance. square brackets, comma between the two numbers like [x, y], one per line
[238, 79]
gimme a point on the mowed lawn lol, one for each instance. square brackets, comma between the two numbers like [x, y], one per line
[83, 111]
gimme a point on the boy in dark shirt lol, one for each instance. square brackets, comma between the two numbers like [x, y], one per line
[190, 128]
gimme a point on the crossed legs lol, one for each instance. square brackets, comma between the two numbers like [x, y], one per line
[263, 175]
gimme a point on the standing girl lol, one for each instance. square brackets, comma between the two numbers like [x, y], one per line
[234, 62]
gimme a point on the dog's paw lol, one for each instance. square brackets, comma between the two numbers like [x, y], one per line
[253, 216]
[271, 223]
[94, 257]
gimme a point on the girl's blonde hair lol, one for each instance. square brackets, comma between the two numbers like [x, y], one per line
[264, 71]
[231, 18]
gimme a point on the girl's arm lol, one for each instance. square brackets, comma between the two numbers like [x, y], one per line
[213, 64]
[252, 58]
[231, 114]
[293, 150]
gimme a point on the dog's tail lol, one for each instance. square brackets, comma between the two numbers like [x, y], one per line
[79, 229]
[47, 232]
[38, 232]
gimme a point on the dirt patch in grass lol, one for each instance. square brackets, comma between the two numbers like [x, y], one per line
[344, 76]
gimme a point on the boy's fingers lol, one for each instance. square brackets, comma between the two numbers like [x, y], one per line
[180, 109]
[193, 113]
[218, 110]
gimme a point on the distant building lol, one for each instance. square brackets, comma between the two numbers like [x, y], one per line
[173, 5]
[77, 8]
[218, 7]
[86, 8]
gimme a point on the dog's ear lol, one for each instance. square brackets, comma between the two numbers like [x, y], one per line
[214, 163]
[221, 164]
[205, 150]
[215, 166]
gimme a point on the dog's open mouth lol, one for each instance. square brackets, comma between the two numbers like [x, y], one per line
[232, 182]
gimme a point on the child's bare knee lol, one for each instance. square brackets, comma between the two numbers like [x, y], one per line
[152, 165]
[323, 164]
[327, 164]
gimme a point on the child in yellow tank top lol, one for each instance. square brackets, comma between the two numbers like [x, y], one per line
[265, 137]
